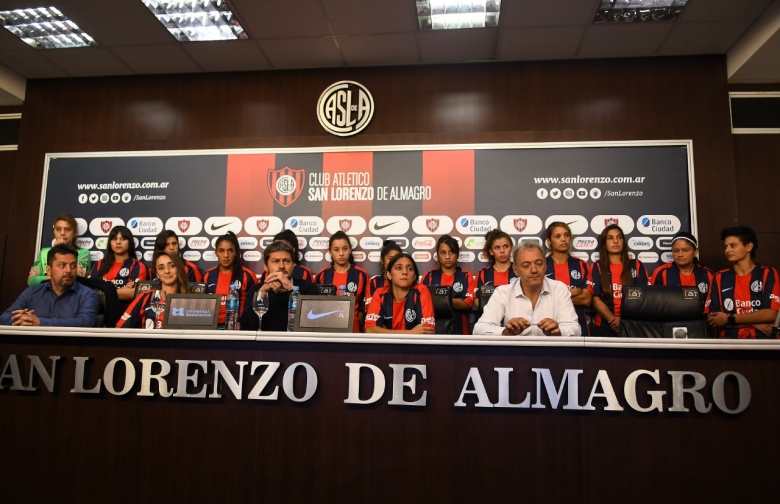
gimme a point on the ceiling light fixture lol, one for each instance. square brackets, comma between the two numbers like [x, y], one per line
[629, 11]
[45, 28]
[454, 14]
[197, 20]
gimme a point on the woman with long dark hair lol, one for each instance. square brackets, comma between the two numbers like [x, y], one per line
[449, 273]
[343, 271]
[607, 276]
[120, 264]
[562, 266]
[403, 305]
[173, 280]
[228, 272]
[66, 231]
[168, 241]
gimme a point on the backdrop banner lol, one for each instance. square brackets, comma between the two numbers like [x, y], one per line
[410, 194]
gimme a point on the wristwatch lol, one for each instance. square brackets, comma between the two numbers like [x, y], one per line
[732, 319]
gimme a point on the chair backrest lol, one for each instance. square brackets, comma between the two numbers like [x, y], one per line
[442, 307]
[109, 308]
[659, 311]
[198, 288]
[327, 290]
[484, 294]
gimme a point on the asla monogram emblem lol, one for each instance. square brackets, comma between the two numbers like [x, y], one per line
[286, 185]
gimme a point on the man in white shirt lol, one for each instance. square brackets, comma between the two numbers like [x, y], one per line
[533, 305]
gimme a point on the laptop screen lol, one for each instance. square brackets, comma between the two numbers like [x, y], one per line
[191, 311]
[325, 314]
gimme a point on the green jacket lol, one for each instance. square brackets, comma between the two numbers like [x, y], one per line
[38, 270]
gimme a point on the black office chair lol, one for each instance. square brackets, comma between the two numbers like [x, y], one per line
[197, 288]
[660, 311]
[328, 290]
[109, 308]
[442, 308]
[483, 294]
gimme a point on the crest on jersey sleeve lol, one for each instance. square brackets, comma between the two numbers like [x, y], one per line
[286, 185]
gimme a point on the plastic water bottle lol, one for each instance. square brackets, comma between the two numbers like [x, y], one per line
[291, 308]
[231, 308]
[342, 290]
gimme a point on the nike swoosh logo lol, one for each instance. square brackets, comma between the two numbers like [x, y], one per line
[215, 228]
[312, 315]
[728, 289]
[382, 226]
[572, 222]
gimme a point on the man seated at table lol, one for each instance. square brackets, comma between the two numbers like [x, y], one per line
[278, 283]
[532, 305]
[61, 301]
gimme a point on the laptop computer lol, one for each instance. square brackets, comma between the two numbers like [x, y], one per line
[325, 314]
[191, 311]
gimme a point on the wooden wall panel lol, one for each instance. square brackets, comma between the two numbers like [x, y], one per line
[597, 100]
[153, 449]
[757, 173]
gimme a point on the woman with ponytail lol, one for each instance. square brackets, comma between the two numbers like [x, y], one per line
[342, 271]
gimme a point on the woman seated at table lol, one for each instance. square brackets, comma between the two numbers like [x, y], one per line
[229, 271]
[389, 250]
[344, 271]
[173, 280]
[66, 231]
[168, 241]
[685, 269]
[403, 305]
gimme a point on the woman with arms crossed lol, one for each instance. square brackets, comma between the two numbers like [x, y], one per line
[403, 305]
[614, 270]
[120, 265]
[173, 280]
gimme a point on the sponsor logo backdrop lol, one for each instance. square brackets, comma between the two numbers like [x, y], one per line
[411, 196]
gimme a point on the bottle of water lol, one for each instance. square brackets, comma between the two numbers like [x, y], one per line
[292, 307]
[231, 308]
[343, 291]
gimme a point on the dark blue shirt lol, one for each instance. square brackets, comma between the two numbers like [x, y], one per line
[76, 307]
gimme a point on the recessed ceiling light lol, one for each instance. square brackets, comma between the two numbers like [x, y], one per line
[629, 11]
[454, 14]
[45, 28]
[197, 20]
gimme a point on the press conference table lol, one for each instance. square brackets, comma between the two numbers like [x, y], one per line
[355, 417]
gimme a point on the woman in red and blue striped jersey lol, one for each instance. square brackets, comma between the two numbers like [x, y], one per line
[498, 250]
[170, 271]
[389, 250]
[607, 277]
[685, 269]
[219, 278]
[462, 281]
[562, 266]
[343, 271]
[168, 241]
[402, 305]
[120, 265]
